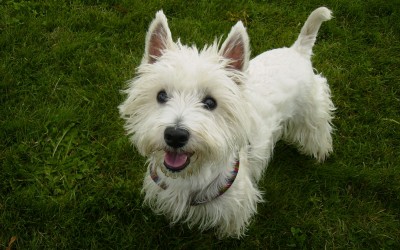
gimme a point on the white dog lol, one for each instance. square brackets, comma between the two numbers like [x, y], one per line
[208, 121]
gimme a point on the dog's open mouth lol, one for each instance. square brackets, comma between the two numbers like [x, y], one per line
[176, 161]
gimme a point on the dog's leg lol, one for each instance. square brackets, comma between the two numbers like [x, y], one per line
[311, 128]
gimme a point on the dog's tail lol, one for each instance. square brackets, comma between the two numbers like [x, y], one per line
[308, 34]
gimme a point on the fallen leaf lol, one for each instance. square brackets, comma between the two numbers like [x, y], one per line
[11, 242]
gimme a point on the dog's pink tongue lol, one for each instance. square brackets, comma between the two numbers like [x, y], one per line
[175, 160]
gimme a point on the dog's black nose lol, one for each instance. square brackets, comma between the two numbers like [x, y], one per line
[176, 137]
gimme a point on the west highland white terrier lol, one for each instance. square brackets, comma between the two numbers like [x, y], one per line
[208, 120]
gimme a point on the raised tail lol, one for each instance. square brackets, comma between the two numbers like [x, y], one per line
[308, 34]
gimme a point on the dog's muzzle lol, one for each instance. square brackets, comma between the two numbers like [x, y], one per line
[176, 160]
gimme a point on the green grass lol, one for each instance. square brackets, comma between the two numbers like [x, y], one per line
[69, 178]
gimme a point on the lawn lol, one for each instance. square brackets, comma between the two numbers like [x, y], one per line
[70, 179]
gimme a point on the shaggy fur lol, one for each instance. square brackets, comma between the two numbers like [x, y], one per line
[222, 107]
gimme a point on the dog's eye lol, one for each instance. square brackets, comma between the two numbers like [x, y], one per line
[209, 103]
[162, 97]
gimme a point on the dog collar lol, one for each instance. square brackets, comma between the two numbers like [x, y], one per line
[196, 201]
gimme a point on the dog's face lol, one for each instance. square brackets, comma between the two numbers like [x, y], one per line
[185, 108]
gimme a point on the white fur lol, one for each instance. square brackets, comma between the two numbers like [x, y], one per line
[274, 96]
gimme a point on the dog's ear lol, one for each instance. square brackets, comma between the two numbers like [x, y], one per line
[236, 48]
[158, 38]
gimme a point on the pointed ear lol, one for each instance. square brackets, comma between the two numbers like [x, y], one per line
[236, 48]
[158, 38]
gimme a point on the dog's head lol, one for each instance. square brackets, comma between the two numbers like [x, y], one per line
[185, 107]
